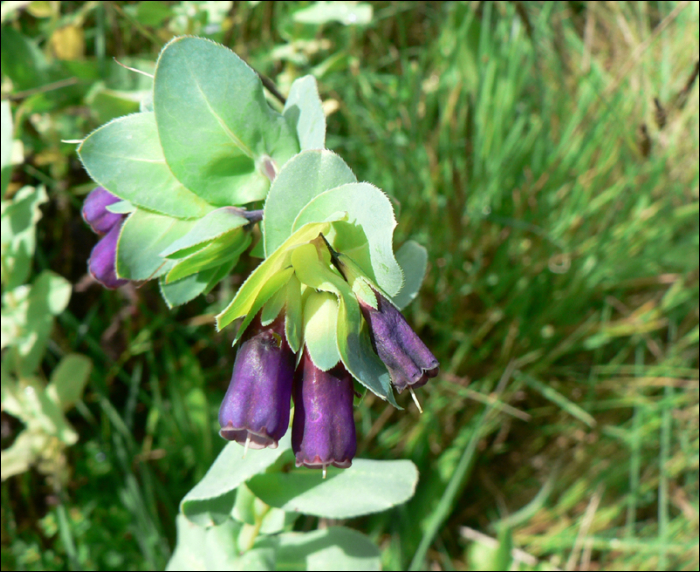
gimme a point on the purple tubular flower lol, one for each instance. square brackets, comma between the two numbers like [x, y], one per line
[323, 430]
[409, 361]
[103, 260]
[95, 211]
[255, 409]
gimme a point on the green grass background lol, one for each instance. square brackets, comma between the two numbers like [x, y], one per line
[522, 146]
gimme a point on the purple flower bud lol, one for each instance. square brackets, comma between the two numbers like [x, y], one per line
[95, 211]
[409, 361]
[256, 406]
[323, 430]
[103, 260]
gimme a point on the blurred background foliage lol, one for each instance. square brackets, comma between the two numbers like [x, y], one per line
[546, 154]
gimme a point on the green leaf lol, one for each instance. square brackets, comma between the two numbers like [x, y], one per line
[228, 471]
[227, 247]
[126, 158]
[369, 208]
[217, 130]
[18, 235]
[247, 294]
[68, 380]
[304, 113]
[22, 60]
[108, 104]
[220, 273]
[320, 328]
[413, 259]
[293, 319]
[347, 13]
[182, 291]
[304, 177]
[5, 145]
[366, 487]
[24, 451]
[32, 317]
[333, 548]
[244, 508]
[274, 306]
[276, 520]
[268, 290]
[41, 411]
[201, 548]
[209, 227]
[153, 14]
[354, 345]
[143, 237]
[122, 207]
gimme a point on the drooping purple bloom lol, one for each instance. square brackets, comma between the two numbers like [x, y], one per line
[103, 260]
[409, 361]
[323, 429]
[255, 409]
[95, 211]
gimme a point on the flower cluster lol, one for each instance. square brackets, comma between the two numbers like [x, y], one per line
[103, 258]
[255, 410]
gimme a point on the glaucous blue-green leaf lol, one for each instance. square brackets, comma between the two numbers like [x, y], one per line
[304, 113]
[18, 236]
[369, 208]
[125, 157]
[218, 133]
[366, 487]
[68, 380]
[333, 548]
[209, 227]
[182, 291]
[143, 237]
[222, 249]
[304, 177]
[247, 294]
[200, 548]
[320, 327]
[413, 259]
[229, 470]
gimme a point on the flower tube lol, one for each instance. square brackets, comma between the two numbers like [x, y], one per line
[95, 211]
[323, 429]
[409, 361]
[255, 409]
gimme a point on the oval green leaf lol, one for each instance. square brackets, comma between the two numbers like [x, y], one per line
[369, 208]
[125, 157]
[215, 125]
[333, 548]
[143, 237]
[366, 487]
[304, 177]
[304, 113]
[230, 469]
